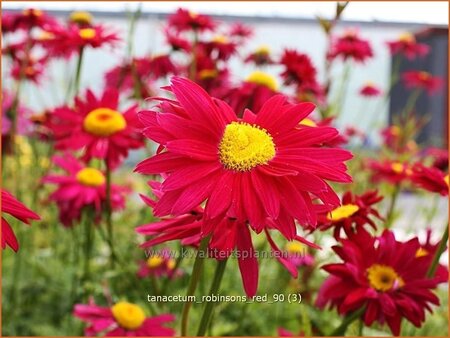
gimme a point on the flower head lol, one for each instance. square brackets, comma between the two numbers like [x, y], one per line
[383, 275]
[355, 210]
[122, 319]
[370, 90]
[407, 45]
[81, 188]
[266, 165]
[430, 178]
[159, 264]
[422, 80]
[351, 46]
[11, 206]
[390, 171]
[184, 20]
[260, 56]
[95, 125]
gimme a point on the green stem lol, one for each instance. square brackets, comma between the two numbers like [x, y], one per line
[88, 221]
[209, 307]
[390, 213]
[439, 251]
[78, 70]
[109, 224]
[340, 331]
[196, 272]
[193, 66]
[412, 101]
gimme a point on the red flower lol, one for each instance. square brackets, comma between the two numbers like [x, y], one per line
[439, 156]
[298, 69]
[240, 30]
[427, 251]
[351, 46]
[122, 319]
[261, 56]
[162, 66]
[184, 20]
[391, 171]
[70, 40]
[13, 207]
[96, 126]
[26, 20]
[370, 90]
[382, 275]
[81, 188]
[219, 48]
[355, 210]
[431, 179]
[176, 42]
[159, 264]
[407, 45]
[28, 69]
[422, 80]
[274, 152]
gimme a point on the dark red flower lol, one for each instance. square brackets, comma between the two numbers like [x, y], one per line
[26, 20]
[177, 42]
[439, 156]
[370, 90]
[430, 178]
[354, 211]
[382, 275]
[261, 56]
[240, 30]
[422, 80]
[351, 46]
[162, 66]
[407, 45]
[391, 171]
[184, 20]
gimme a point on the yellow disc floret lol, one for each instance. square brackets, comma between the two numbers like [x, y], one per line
[308, 122]
[129, 316]
[81, 17]
[421, 252]
[406, 37]
[383, 278]
[263, 79]
[90, 177]
[155, 261]
[205, 74]
[221, 39]
[104, 122]
[397, 167]
[342, 212]
[446, 180]
[263, 50]
[87, 33]
[295, 248]
[171, 264]
[245, 146]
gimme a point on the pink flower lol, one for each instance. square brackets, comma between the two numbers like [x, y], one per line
[370, 90]
[422, 80]
[81, 188]
[122, 319]
[407, 45]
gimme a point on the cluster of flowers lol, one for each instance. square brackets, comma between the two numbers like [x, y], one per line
[234, 159]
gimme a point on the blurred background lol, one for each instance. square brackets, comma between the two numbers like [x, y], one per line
[281, 25]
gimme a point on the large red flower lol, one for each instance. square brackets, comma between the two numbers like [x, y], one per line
[351, 46]
[250, 168]
[355, 210]
[13, 207]
[407, 45]
[95, 125]
[385, 276]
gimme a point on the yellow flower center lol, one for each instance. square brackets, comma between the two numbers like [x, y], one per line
[263, 49]
[171, 264]
[424, 75]
[397, 167]
[81, 17]
[421, 252]
[446, 180]
[35, 12]
[154, 261]
[263, 79]
[90, 177]
[220, 39]
[193, 14]
[87, 33]
[308, 122]
[245, 146]
[104, 122]
[383, 278]
[406, 37]
[295, 248]
[129, 316]
[342, 212]
[207, 74]
[29, 71]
